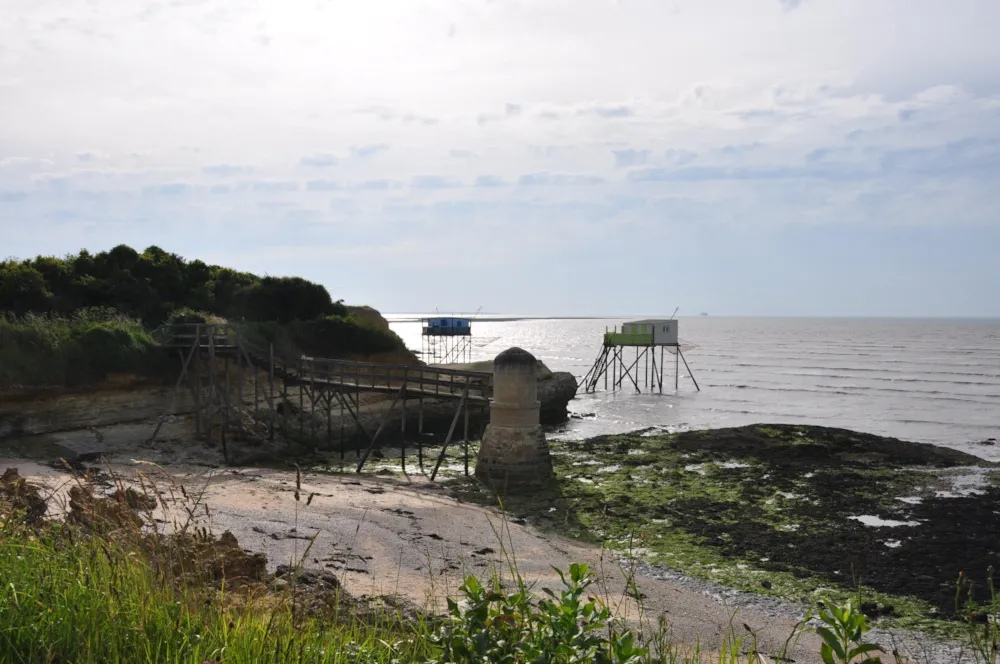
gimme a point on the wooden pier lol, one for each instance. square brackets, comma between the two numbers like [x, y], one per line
[323, 385]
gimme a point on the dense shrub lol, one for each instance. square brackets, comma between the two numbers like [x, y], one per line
[336, 336]
[75, 320]
[329, 336]
[42, 351]
[150, 285]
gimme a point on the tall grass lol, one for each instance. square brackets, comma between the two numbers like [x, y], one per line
[49, 351]
[87, 600]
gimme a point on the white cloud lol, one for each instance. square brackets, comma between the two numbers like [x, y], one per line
[235, 114]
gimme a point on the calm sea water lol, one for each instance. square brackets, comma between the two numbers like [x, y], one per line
[935, 381]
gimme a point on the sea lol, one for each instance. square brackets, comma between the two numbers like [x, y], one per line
[934, 381]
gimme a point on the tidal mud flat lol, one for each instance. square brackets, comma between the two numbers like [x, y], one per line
[795, 512]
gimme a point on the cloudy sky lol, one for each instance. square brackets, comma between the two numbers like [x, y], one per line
[773, 157]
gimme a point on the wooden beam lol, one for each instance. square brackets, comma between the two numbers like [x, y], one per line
[451, 430]
[184, 367]
[690, 373]
[385, 418]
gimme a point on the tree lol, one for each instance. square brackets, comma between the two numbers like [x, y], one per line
[22, 289]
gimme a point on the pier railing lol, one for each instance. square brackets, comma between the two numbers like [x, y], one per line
[328, 373]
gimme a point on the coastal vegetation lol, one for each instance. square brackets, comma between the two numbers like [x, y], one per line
[79, 319]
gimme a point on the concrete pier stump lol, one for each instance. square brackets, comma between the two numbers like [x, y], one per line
[514, 453]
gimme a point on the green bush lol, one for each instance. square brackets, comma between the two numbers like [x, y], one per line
[491, 625]
[50, 351]
[149, 285]
[339, 336]
[74, 320]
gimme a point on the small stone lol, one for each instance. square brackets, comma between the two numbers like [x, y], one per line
[765, 584]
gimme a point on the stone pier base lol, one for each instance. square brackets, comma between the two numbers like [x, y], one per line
[514, 457]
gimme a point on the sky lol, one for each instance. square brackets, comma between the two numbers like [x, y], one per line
[545, 157]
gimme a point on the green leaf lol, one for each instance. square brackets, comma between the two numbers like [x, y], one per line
[827, 654]
[863, 649]
[831, 640]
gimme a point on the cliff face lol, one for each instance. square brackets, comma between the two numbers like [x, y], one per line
[48, 413]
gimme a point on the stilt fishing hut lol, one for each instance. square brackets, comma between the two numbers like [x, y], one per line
[447, 340]
[617, 368]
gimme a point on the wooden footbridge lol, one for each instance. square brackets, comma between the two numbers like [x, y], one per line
[219, 363]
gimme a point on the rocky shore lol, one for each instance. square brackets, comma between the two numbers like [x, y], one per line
[788, 511]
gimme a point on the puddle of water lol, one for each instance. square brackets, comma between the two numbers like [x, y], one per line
[910, 500]
[960, 493]
[695, 468]
[874, 522]
[893, 544]
[40, 447]
[609, 469]
[585, 480]
[734, 464]
[637, 452]
[589, 462]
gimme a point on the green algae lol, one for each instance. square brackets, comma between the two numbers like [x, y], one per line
[774, 510]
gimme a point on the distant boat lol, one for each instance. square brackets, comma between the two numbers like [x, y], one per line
[704, 314]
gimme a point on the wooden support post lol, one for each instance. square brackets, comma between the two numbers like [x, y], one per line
[451, 431]
[465, 442]
[270, 383]
[239, 371]
[645, 368]
[224, 398]
[677, 369]
[211, 382]
[614, 369]
[690, 373]
[302, 414]
[661, 369]
[198, 417]
[402, 427]
[420, 428]
[357, 404]
[312, 399]
[185, 360]
[385, 418]
[340, 401]
[627, 371]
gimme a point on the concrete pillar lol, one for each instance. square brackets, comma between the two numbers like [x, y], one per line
[514, 452]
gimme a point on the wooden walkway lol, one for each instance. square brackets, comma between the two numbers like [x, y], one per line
[339, 375]
[327, 382]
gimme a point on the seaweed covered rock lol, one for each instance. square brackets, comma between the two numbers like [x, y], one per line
[101, 515]
[18, 497]
[201, 557]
